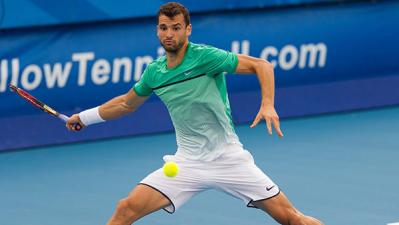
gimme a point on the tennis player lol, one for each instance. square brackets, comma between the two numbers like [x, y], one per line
[190, 80]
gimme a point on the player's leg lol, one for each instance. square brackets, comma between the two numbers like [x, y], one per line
[281, 209]
[141, 201]
[238, 175]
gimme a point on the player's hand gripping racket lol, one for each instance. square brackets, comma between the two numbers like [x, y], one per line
[28, 97]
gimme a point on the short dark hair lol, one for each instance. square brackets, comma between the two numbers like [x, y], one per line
[171, 9]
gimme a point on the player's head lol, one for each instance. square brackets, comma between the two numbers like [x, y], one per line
[174, 26]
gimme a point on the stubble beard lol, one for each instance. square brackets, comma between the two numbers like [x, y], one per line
[173, 49]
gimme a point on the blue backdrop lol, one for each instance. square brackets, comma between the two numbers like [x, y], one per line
[327, 58]
[47, 12]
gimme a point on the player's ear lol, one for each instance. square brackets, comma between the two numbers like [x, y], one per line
[188, 30]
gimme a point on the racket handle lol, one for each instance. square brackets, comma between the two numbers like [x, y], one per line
[77, 126]
[65, 118]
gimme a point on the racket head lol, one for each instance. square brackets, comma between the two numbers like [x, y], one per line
[34, 101]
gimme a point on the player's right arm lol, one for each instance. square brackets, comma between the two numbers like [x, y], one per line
[113, 109]
[121, 105]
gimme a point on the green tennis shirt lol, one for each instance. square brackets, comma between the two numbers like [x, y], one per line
[195, 94]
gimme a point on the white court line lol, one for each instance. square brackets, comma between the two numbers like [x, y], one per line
[397, 223]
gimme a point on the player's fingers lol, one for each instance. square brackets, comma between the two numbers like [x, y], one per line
[269, 125]
[256, 121]
[77, 126]
[73, 128]
[68, 126]
[276, 124]
[71, 123]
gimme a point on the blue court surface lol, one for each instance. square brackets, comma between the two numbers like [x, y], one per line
[341, 168]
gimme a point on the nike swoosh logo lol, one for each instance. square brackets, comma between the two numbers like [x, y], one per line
[188, 72]
[269, 188]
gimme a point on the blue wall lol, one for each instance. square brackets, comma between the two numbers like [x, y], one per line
[327, 59]
[47, 12]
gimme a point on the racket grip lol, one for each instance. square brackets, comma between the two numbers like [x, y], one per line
[65, 118]
[77, 126]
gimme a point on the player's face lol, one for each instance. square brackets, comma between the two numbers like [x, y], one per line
[173, 32]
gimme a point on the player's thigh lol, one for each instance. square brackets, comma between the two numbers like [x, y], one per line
[144, 200]
[279, 207]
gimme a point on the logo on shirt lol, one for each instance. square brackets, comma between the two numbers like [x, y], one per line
[188, 72]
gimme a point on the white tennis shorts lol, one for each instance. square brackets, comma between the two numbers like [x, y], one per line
[234, 172]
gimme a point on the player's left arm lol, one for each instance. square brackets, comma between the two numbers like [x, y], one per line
[265, 73]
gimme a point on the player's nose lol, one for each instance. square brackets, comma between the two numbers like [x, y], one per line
[169, 33]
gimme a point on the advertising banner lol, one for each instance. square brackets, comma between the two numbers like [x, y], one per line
[326, 59]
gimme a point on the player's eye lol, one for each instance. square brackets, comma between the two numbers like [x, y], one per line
[163, 28]
[176, 28]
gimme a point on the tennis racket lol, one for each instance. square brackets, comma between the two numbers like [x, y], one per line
[34, 101]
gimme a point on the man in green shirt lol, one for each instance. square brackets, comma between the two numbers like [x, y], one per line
[190, 81]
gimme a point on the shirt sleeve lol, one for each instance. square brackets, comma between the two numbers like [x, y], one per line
[141, 87]
[218, 61]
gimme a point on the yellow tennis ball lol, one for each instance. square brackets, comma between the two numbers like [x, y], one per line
[170, 169]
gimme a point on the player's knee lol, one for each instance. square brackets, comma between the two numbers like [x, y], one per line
[122, 206]
[127, 209]
[295, 218]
